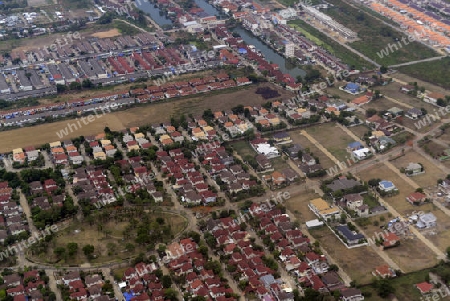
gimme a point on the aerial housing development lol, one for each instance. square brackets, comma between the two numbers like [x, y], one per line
[224, 150]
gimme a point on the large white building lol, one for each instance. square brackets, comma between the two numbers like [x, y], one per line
[290, 49]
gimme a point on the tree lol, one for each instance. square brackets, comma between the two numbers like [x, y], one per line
[170, 294]
[75, 86]
[72, 248]
[370, 112]
[383, 69]
[384, 288]
[166, 281]
[59, 251]
[88, 250]
[87, 83]
[61, 88]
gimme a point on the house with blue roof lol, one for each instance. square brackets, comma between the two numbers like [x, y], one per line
[354, 146]
[386, 186]
[351, 237]
[352, 88]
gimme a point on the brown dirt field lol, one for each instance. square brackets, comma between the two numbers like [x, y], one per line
[305, 143]
[428, 86]
[402, 254]
[137, 116]
[333, 138]
[431, 175]
[298, 205]
[382, 104]
[393, 90]
[107, 34]
[359, 130]
[440, 236]
[358, 262]
[384, 173]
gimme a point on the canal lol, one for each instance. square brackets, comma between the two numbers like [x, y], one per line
[269, 53]
[154, 12]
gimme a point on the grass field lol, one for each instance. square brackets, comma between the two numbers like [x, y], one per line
[243, 148]
[332, 138]
[137, 116]
[324, 160]
[328, 43]
[404, 288]
[431, 175]
[383, 104]
[298, 205]
[375, 36]
[434, 72]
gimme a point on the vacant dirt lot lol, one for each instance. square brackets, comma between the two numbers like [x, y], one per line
[332, 138]
[305, 143]
[137, 116]
[431, 175]
[107, 34]
[298, 205]
[358, 262]
[359, 130]
[382, 172]
[401, 255]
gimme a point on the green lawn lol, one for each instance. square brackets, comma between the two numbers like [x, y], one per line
[243, 148]
[435, 72]
[375, 36]
[332, 46]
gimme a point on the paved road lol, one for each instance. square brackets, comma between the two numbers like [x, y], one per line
[419, 61]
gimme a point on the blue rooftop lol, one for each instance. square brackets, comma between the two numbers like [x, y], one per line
[352, 87]
[355, 145]
[387, 184]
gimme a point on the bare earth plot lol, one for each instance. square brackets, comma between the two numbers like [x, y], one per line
[36, 3]
[359, 130]
[298, 205]
[382, 104]
[137, 116]
[440, 236]
[298, 138]
[431, 175]
[358, 263]
[393, 90]
[107, 34]
[401, 255]
[398, 201]
[333, 138]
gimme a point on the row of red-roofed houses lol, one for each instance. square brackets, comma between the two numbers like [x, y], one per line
[247, 260]
[312, 270]
[11, 219]
[142, 283]
[189, 182]
[87, 288]
[26, 287]
[183, 257]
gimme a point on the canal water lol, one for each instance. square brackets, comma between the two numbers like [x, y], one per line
[150, 9]
[269, 53]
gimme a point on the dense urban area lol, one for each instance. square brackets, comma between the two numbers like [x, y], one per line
[224, 150]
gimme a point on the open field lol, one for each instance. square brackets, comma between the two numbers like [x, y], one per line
[243, 148]
[305, 143]
[279, 163]
[382, 104]
[359, 130]
[398, 201]
[358, 263]
[328, 43]
[136, 116]
[431, 175]
[408, 78]
[393, 90]
[375, 36]
[107, 246]
[401, 255]
[434, 72]
[332, 138]
[439, 236]
[404, 288]
[107, 34]
[298, 205]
